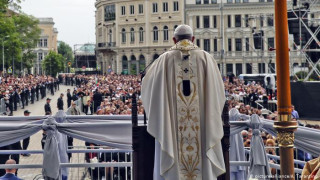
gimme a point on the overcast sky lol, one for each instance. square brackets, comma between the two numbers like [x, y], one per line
[74, 19]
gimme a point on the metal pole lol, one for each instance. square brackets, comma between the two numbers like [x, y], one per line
[222, 38]
[285, 127]
[12, 65]
[2, 57]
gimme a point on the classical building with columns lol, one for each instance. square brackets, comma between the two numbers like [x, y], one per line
[243, 35]
[132, 33]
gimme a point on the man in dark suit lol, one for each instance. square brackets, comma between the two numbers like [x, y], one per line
[33, 91]
[26, 141]
[60, 102]
[37, 91]
[4, 158]
[16, 99]
[97, 99]
[69, 98]
[22, 96]
[47, 107]
[10, 173]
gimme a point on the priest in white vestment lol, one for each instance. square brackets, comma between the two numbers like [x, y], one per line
[183, 96]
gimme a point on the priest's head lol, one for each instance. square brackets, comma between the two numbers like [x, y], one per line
[183, 32]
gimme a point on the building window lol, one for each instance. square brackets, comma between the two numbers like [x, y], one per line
[229, 68]
[132, 9]
[198, 42]
[205, 1]
[155, 7]
[262, 67]
[247, 44]
[40, 56]
[45, 42]
[213, 1]
[237, 20]
[165, 7]
[238, 69]
[206, 45]
[198, 21]
[124, 37]
[270, 21]
[198, 1]
[155, 34]
[132, 35]
[269, 0]
[238, 1]
[214, 21]
[229, 21]
[246, 17]
[140, 8]
[245, 1]
[261, 21]
[175, 27]
[123, 10]
[175, 6]
[206, 22]
[261, 0]
[271, 42]
[229, 1]
[165, 33]
[238, 44]
[40, 43]
[109, 13]
[229, 45]
[248, 68]
[141, 36]
[215, 45]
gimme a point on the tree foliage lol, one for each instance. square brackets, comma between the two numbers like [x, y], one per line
[19, 33]
[53, 63]
[66, 51]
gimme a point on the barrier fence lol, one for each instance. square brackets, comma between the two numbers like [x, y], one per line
[107, 164]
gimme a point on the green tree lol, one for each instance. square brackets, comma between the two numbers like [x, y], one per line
[53, 63]
[20, 34]
[66, 51]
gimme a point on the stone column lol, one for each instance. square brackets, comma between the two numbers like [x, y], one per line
[201, 21]
[234, 71]
[191, 21]
[119, 65]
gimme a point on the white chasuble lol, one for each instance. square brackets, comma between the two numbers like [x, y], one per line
[187, 128]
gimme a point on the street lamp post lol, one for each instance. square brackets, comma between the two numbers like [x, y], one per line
[3, 52]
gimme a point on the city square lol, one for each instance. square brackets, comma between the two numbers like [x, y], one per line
[162, 90]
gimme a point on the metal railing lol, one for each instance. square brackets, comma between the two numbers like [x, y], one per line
[118, 167]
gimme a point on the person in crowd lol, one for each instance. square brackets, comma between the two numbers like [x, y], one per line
[88, 108]
[25, 142]
[60, 102]
[294, 113]
[47, 107]
[244, 134]
[10, 172]
[4, 158]
[97, 99]
[69, 98]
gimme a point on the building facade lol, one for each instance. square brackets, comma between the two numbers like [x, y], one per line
[132, 33]
[47, 42]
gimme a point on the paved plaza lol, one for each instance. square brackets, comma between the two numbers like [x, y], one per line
[38, 109]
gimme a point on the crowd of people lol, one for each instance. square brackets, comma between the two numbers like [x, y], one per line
[112, 95]
[25, 90]
[105, 95]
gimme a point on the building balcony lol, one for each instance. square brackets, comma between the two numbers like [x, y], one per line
[106, 46]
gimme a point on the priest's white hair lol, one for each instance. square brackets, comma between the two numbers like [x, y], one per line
[183, 30]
